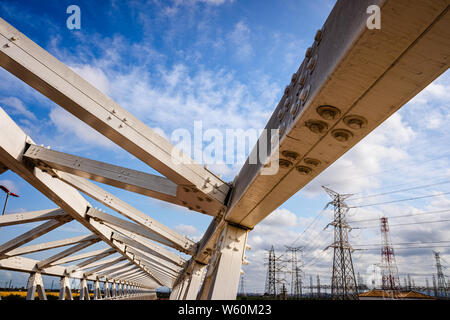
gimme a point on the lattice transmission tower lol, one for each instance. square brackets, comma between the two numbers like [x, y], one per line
[242, 292]
[296, 272]
[343, 281]
[271, 288]
[441, 285]
[390, 281]
[275, 268]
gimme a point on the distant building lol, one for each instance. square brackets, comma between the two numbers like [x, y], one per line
[377, 294]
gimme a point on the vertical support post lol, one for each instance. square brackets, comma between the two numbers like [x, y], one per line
[175, 290]
[97, 292]
[106, 292]
[185, 284]
[84, 291]
[222, 278]
[64, 290]
[120, 290]
[114, 289]
[35, 283]
[195, 282]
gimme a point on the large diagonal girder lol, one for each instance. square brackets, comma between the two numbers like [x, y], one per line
[46, 74]
[13, 142]
[351, 80]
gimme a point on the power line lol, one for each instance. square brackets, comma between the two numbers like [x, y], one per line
[387, 170]
[401, 243]
[408, 248]
[402, 216]
[401, 200]
[400, 190]
[405, 224]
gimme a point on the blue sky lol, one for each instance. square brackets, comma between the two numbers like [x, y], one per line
[225, 63]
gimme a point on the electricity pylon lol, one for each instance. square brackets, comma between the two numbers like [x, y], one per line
[390, 281]
[343, 282]
[441, 285]
[296, 276]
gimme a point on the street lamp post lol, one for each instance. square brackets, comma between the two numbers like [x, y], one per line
[8, 193]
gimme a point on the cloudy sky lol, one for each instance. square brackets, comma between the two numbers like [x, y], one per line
[225, 63]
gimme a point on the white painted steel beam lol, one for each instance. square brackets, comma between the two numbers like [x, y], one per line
[12, 146]
[103, 265]
[195, 281]
[33, 216]
[101, 252]
[84, 291]
[133, 240]
[65, 289]
[30, 63]
[127, 225]
[65, 253]
[35, 283]
[109, 270]
[179, 241]
[148, 257]
[222, 278]
[131, 180]
[32, 234]
[50, 245]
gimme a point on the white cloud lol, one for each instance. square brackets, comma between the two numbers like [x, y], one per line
[17, 107]
[281, 218]
[240, 37]
[75, 130]
[10, 185]
[187, 230]
[95, 76]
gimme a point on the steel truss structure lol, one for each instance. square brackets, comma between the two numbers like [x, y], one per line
[351, 79]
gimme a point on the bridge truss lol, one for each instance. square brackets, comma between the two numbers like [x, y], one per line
[352, 78]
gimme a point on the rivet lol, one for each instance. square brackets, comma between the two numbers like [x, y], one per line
[308, 53]
[120, 126]
[295, 107]
[184, 202]
[312, 64]
[290, 154]
[200, 199]
[281, 129]
[312, 162]
[197, 206]
[208, 200]
[284, 163]
[304, 170]
[186, 189]
[294, 77]
[305, 93]
[341, 135]
[287, 102]
[328, 112]
[302, 80]
[7, 45]
[355, 122]
[316, 126]
[318, 36]
[113, 111]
